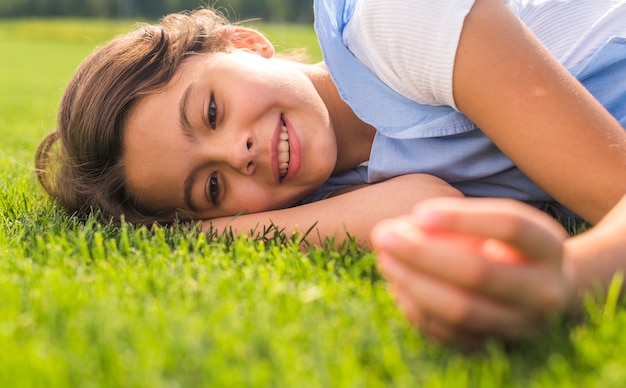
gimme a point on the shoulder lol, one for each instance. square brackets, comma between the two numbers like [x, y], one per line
[410, 46]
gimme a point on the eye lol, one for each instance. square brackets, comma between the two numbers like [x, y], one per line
[213, 188]
[212, 113]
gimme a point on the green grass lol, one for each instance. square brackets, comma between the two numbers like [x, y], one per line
[86, 304]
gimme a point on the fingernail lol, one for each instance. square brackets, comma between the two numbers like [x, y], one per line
[382, 262]
[388, 266]
[383, 238]
[402, 301]
[427, 218]
[409, 308]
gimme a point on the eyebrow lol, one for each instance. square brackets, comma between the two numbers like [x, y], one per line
[187, 130]
[187, 190]
[185, 123]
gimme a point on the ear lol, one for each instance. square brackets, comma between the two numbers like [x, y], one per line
[253, 40]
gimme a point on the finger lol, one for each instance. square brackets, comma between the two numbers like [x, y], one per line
[435, 329]
[523, 227]
[447, 334]
[440, 331]
[410, 310]
[462, 266]
[452, 260]
[456, 307]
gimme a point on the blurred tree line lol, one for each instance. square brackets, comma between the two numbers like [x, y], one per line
[237, 10]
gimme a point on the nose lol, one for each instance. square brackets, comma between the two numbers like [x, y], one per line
[237, 152]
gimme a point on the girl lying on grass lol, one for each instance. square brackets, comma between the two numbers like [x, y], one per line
[198, 119]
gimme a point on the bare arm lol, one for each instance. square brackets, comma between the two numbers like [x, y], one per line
[592, 258]
[354, 212]
[540, 116]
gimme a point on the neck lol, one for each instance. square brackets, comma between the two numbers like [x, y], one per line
[354, 137]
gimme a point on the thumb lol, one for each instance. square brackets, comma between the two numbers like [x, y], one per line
[511, 229]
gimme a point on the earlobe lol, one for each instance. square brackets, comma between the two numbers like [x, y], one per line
[253, 40]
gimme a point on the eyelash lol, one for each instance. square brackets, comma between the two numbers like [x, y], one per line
[212, 112]
[213, 192]
[213, 184]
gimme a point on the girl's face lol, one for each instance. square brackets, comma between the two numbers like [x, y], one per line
[231, 132]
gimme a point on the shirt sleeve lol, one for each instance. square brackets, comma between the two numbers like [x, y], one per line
[409, 45]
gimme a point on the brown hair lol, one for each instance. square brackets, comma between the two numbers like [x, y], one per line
[80, 164]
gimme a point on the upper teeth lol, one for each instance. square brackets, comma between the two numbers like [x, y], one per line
[283, 152]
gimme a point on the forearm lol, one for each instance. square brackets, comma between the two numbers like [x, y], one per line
[350, 214]
[318, 221]
[592, 258]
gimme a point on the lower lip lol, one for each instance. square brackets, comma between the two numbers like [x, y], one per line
[295, 153]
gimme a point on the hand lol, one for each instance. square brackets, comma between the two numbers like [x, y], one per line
[464, 270]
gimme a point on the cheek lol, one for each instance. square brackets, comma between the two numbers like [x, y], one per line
[257, 199]
[261, 202]
[254, 199]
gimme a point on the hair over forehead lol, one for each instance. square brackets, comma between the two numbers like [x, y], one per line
[80, 164]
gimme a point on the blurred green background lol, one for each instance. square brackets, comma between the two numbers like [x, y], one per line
[296, 11]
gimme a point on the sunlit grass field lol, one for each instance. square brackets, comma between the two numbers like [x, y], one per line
[87, 304]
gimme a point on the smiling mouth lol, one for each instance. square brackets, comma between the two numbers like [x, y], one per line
[283, 151]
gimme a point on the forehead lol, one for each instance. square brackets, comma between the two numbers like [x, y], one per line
[154, 148]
